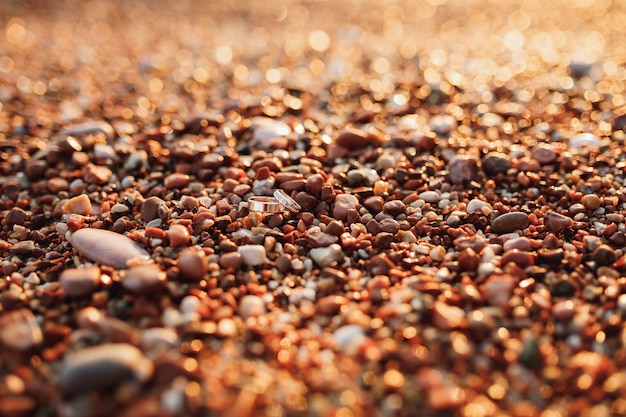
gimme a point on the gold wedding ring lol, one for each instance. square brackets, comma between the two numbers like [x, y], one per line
[264, 204]
[280, 201]
[287, 202]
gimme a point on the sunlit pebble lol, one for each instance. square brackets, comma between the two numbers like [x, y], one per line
[178, 235]
[77, 205]
[252, 255]
[251, 306]
[475, 205]
[584, 139]
[79, 282]
[226, 327]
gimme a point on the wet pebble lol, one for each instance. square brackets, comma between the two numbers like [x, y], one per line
[79, 282]
[19, 330]
[252, 255]
[103, 367]
[108, 248]
[509, 222]
[143, 278]
[463, 168]
[590, 201]
[326, 256]
[176, 180]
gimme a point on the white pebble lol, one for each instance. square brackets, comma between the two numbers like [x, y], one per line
[252, 255]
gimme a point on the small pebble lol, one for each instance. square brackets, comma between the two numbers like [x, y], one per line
[429, 196]
[556, 222]
[463, 168]
[143, 278]
[590, 201]
[266, 131]
[79, 282]
[251, 306]
[343, 203]
[178, 235]
[231, 260]
[192, 264]
[108, 248]
[103, 367]
[176, 180]
[77, 205]
[252, 255]
[20, 330]
[326, 256]
[475, 205]
[509, 222]
[495, 162]
[154, 208]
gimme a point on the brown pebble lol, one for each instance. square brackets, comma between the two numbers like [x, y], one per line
[80, 282]
[81, 204]
[497, 290]
[495, 162]
[509, 222]
[20, 330]
[231, 260]
[314, 184]
[352, 139]
[520, 258]
[603, 255]
[16, 216]
[24, 248]
[468, 260]
[331, 304]
[178, 235]
[57, 184]
[154, 208]
[374, 203]
[95, 174]
[192, 264]
[394, 207]
[176, 180]
[446, 317]
[543, 153]
[335, 228]
[551, 256]
[343, 203]
[556, 222]
[463, 168]
[590, 201]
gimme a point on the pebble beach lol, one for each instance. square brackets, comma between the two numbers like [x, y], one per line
[452, 243]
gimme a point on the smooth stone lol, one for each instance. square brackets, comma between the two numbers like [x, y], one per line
[463, 168]
[544, 154]
[103, 367]
[498, 289]
[16, 216]
[143, 278]
[19, 330]
[352, 139]
[154, 208]
[79, 282]
[251, 306]
[590, 201]
[520, 243]
[343, 203]
[252, 255]
[77, 205]
[231, 260]
[178, 235]
[394, 207]
[509, 222]
[107, 248]
[520, 258]
[475, 205]
[495, 162]
[192, 264]
[326, 256]
[429, 196]
[556, 222]
[176, 180]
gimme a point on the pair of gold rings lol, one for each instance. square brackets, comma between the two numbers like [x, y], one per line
[278, 203]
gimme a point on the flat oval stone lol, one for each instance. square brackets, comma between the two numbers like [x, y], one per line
[79, 282]
[107, 248]
[509, 222]
[103, 366]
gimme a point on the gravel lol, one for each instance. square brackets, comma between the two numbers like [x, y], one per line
[461, 244]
